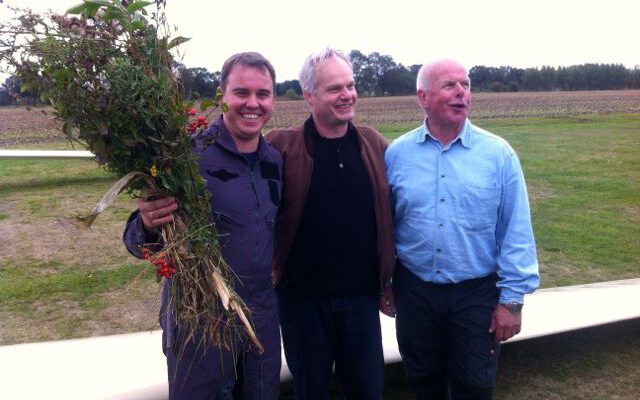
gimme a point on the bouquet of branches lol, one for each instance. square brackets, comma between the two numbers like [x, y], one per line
[109, 75]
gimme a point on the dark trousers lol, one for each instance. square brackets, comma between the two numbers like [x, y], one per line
[443, 336]
[197, 373]
[318, 331]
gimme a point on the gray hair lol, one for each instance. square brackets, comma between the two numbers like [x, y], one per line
[422, 80]
[308, 71]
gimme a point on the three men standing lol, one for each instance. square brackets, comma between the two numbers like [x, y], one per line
[465, 248]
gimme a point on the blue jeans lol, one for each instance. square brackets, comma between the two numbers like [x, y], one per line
[320, 331]
[443, 336]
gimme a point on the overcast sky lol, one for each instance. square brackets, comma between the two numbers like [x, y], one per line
[476, 32]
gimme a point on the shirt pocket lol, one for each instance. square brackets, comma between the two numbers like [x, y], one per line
[477, 207]
[226, 224]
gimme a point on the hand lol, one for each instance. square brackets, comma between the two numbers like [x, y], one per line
[504, 323]
[387, 303]
[157, 212]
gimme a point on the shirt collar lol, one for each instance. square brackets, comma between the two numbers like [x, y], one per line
[464, 136]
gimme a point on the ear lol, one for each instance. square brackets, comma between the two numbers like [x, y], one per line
[422, 99]
[308, 97]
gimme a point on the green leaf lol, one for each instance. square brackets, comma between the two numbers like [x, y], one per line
[68, 127]
[28, 86]
[137, 25]
[91, 10]
[114, 13]
[138, 5]
[177, 41]
[206, 104]
[77, 9]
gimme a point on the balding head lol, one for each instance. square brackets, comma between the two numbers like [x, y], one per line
[428, 73]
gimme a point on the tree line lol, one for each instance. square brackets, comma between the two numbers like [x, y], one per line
[379, 75]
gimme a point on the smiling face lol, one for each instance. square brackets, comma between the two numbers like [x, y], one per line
[334, 98]
[447, 98]
[249, 94]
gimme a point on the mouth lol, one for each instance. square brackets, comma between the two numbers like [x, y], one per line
[250, 116]
[458, 106]
[345, 106]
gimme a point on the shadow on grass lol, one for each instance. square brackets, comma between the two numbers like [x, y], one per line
[56, 183]
[602, 362]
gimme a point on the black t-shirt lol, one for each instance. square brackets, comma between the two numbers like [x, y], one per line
[335, 251]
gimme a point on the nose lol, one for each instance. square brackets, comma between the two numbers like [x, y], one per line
[252, 101]
[459, 89]
[347, 92]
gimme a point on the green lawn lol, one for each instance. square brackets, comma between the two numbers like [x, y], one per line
[583, 175]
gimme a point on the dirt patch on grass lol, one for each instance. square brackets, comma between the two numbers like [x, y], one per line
[48, 243]
[130, 309]
[539, 192]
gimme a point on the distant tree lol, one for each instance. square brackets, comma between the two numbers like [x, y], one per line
[283, 88]
[5, 98]
[379, 75]
[634, 78]
[512, 78]
[493, 79]
[381, 65]
[497, 86]
[548, 77]
[480, 77]
[531, 79]
[11, 93]
[513, 86]
[363, 73]
[399, 81]
[199, 82]
[291, 94]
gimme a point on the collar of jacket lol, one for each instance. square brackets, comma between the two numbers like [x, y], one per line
[219, 133]
[310, 130]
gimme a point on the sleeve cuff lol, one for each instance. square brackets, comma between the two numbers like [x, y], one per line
[509, 296]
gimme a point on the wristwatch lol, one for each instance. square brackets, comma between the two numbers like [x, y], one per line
[513, 307]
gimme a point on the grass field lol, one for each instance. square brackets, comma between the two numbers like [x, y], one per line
[581, 156]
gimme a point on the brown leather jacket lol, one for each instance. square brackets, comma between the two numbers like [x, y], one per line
[295, 145]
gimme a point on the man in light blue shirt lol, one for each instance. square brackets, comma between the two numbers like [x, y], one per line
[465, 246]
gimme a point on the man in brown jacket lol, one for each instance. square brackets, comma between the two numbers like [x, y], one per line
[334, 253]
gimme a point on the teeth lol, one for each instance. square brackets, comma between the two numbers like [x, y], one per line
[250, 116]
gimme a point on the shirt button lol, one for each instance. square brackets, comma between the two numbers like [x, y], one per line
[438, 271]
[438, 250]
[441, 200]
[442, 175]
[440, 225]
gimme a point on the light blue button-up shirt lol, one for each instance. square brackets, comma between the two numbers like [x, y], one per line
[461, 211]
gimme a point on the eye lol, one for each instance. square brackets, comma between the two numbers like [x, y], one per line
[264, 94]
[241, 92]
